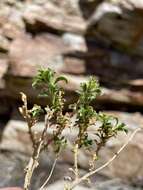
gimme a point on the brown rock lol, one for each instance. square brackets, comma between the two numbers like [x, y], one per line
[4, 44]
[114, 69]
[136, 85]
[118, 24]
[53, 15]
[11, 188]
[11, 21]
[121, 98]
[27, 54]
[15, 136]
[69, 53]
[3, 70]
[73, 66]
[88, 7]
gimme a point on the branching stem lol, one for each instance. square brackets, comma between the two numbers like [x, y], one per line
[51, 172]
[32, 165]
[86, 176]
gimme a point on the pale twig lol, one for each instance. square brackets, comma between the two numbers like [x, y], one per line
[86, 176]
[33, 163]
[31, 134]
[76, 172]
[51, 172]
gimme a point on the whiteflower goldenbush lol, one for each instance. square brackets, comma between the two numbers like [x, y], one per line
[47, 82]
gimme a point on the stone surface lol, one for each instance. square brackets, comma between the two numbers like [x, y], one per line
[11, 21]
[121, 99]
[11, 188]
[11, 167]
[4, 44]
[51, 35]
[114, 69]
[114, 185]
[48, 53]
[60, 186]
[3, 71]
[54, 15]
[110, 21]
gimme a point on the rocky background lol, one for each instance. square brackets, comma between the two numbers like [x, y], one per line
[77, 38]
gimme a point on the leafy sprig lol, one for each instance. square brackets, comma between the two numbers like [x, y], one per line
[47, 82]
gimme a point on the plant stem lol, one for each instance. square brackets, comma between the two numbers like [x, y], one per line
[32, 165]
[51, 172]
[33, 162]
[86, 176]
[76, 172]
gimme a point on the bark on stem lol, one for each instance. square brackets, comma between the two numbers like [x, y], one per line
[32, 165]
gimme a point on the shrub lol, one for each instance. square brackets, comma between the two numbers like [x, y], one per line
[47, 82]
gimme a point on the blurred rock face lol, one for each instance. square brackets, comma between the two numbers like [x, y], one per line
[103, 38]
[118, 24]
[113, 22]
[11, 188]
[77, 38]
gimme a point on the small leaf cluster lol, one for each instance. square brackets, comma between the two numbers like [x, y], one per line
[36, 111]
[85, 112]
[47, 82]
[109, 127]
[89, 91]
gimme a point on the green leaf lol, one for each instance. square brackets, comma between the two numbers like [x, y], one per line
[36, 111]
[122, 127]
[61, 78]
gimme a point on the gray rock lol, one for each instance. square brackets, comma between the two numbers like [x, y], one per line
[118, 24]
[26, 63]
[60, 186]
[53, 14]
[75, 42]
[13, 163]
[12, 168]
[114, 185]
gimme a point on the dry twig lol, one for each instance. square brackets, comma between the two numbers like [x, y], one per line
[86, 176]
[50, 175]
